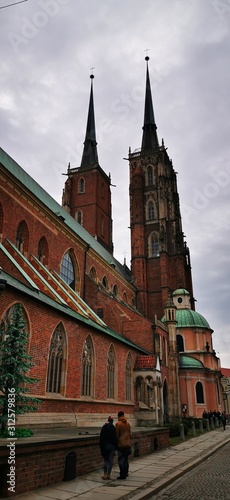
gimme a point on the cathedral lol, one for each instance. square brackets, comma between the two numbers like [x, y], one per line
[103, 336]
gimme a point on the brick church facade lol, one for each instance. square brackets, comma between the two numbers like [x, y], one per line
[103, 336]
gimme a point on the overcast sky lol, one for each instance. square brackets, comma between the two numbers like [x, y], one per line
[47, 48]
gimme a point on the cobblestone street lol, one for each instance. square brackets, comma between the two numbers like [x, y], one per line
[208, 481]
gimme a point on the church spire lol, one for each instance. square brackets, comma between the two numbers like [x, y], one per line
[149, 138]
[89, 156]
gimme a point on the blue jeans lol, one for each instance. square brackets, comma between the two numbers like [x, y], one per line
[108, 458]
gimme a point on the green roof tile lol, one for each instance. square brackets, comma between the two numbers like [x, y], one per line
[189, 362]
[180, 291]
[189, 318]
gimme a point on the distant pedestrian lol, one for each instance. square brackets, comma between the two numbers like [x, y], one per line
[108, 444]
[223, 419]
[123, 432]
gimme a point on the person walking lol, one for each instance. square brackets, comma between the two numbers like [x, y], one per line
[123, 432]
[223, 419]
[108, 444]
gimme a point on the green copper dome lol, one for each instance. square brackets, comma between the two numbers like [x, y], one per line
[188, 362]
[180, 291]
[189, 318]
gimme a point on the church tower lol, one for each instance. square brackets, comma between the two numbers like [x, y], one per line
[87, 194]
[160, 260]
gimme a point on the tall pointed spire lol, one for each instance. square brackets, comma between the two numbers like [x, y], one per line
[89, 156]
[149, 138]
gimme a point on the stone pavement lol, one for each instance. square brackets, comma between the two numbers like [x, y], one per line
[147, 475]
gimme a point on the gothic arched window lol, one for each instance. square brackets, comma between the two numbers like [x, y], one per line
[7, 318]
[111, 373]
[154, 245]
[115, 290]
[79, 217]
[105, 282]
[150, 175]
[199, 393]
[128, 377]
[81, 185]
[93, 274]
[43, 251]
[22, 237]
[87, 368]
[57, 362]
[67, 270]
[150, 211]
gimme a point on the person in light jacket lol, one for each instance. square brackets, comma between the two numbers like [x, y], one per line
[123, 432]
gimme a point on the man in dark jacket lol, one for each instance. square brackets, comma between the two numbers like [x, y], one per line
[108, 443]
[123, 432]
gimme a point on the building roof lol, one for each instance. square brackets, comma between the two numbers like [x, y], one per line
[180, 291]
[145, 363]
[89, 156]
[187, 318]
[225, 372]
[149, 138]
[190, 318]
[31, 185]
[83, 314]
[189, 362]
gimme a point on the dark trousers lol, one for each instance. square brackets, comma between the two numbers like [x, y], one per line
[123, 461]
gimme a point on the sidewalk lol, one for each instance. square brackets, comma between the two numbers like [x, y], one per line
[147, 475]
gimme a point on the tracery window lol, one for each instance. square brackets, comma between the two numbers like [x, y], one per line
[150, 211]
[154, 245]
[57, 361]
[150, 175]
[6, 320]
[111, 373]
[87, 368]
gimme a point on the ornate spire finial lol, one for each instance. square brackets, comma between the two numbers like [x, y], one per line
[147, 57]
[92, 75]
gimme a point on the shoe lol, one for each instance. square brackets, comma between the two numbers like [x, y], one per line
[104, 476]
[108, 476]
[119, 477]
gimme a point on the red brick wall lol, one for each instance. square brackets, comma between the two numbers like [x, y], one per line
[42, 464]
